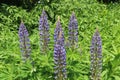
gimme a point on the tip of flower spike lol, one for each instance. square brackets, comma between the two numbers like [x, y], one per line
[97, 29]
[22, 22]
[58, 22]
[43, 13]
[73, 13]
[43, 10]
[97, 32]
[58, 18]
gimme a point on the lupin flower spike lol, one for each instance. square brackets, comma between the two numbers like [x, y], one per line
[44, 32]
[57, 30]
[24, 42]
[60, 58]
[96, 56]
[73, 30]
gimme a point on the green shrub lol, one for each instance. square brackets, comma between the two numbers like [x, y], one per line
[89, 13]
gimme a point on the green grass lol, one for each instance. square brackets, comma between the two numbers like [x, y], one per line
[90, 14]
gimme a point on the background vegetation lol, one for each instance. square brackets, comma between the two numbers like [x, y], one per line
[90, 14]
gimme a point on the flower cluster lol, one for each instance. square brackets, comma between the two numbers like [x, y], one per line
[59, 46]
[73, 30]
[60, 57]
[44, 32]
[57, 31]
[96, 56]
[24, 42]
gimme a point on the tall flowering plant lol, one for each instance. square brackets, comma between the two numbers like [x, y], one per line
[57, 31]
[96, 56]
[24, 42]
[73, 30]
[60, 57]
[44, 32]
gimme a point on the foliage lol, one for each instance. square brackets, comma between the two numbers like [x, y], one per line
[109, 1]
[26, 4]
[89, 13]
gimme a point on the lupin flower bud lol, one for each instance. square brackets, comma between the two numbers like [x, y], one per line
[44, 32]
[57, 30]
[24, 42]
[96, 56]
[73, 30]
[60, 58]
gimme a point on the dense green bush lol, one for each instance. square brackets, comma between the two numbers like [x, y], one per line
[90, 14]
[26, 4]
[109, 1]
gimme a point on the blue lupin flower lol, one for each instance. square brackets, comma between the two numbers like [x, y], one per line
[96, 56]
[44, 32]
[57, 30]
[60, 58]
[24, 42]
[73, 30]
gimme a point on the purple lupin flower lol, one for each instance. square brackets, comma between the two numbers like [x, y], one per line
[73, 30]
[57, 30]
[24, 42]
[44, 32]
[60, 58]
[96, 56]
